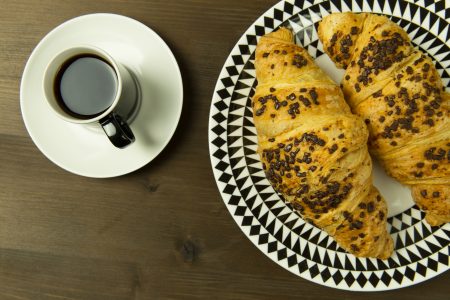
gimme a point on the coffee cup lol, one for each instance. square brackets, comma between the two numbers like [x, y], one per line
[85, 85]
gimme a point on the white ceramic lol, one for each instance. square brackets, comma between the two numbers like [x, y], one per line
[85, 149]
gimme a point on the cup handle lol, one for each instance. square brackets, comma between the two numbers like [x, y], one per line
[117, 130]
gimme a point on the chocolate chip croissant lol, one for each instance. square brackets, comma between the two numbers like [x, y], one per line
[399, 93]
[313, 150]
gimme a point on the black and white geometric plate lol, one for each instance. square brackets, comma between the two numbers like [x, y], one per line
[421, 251]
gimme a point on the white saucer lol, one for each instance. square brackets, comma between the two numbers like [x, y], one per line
[85, 150]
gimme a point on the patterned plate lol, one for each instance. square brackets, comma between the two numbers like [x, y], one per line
[421, 251]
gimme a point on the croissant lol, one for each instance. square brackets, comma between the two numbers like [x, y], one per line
[399, 93]
[313, 150]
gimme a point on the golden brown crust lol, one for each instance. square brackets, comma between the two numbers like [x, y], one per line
[314, 150]
[341, 43]
[433, 200]
[372, 240]
[398, 92]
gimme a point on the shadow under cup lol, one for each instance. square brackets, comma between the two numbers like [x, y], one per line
[74, 73]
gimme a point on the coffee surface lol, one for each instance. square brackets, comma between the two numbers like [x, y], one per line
[87, 86]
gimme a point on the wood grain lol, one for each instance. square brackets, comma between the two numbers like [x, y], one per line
[161, 232]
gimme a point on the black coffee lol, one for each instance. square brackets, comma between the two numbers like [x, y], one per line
[86, 86]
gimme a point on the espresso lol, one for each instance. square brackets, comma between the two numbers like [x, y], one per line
[86, 86]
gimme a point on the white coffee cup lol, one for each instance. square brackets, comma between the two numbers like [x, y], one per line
[123, 98]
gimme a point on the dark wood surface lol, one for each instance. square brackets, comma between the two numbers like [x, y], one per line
[161, 232]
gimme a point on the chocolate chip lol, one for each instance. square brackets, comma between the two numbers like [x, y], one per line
[312, 168]
[357, 224]
[299, 61]
[346, 214]
[292, 96]
[305, 101]
[432, 154]
[436, 194]
[314, 96]
[418, 174]
[302, 190]
[260, 111]
[301, 174]
[354, 248]
[262, 100]
[435, 104]
[334, 38]
[420, 164]
[265, 54]
[429, 122]
[370, 207]
[333, 149]
[354, 30]
[423, 193]
[272, 89]
[377, 94]
[434, 166]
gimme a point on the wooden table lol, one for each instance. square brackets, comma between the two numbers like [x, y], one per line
[161, 232]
